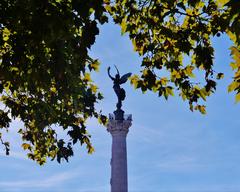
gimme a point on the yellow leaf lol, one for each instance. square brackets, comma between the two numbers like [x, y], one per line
[155, 89]
[189, 11]
[90, 150]
[93, 88]
[5, 33]
[124, 26]
[95, 65]
[184, 97]
[202, 109]
[203, 93]
[164, 81]
[175, 74]
[235, 52]
[233, 66]
[25, 146]
[222, 2]
[87, 77]
[200, 4]
[53, 89]
[7, 86]
[169, 91]
[232, 36]
[237, 98]
[232, 86]
[134, 80]
[145, 72]
[189, 71]
[108, 8]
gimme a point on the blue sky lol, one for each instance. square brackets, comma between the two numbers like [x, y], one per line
[170, 149]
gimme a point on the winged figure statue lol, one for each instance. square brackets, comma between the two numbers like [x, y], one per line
[117, 81]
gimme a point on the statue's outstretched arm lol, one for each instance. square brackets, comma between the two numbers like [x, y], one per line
[117, 70]
[110, 74]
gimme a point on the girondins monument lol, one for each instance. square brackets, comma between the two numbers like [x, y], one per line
[118, 126]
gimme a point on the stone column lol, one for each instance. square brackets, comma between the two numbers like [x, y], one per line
[119, 130]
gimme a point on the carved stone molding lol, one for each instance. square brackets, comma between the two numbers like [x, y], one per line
[119, 127]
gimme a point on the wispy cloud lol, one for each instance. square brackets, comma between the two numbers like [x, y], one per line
[180, 163]
[99, 188]
[53, 180]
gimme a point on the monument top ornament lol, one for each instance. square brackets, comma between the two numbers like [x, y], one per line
[120, 92]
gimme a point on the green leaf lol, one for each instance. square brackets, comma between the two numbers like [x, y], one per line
[220, 76]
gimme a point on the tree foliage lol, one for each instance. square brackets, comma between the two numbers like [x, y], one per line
[45, 71]
[167, 32]
[45, 67]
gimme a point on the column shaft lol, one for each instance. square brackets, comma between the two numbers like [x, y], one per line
[119, 131]
[119, 164]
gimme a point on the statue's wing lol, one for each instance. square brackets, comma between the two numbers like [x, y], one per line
[124, 78]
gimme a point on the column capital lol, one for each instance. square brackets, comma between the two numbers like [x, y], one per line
[119, 127]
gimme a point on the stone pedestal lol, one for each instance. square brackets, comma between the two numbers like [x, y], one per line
[119, 130]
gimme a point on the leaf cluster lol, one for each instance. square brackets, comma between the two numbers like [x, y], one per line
[174, 40]
[45, 72]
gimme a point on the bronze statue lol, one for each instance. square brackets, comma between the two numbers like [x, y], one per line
[120, 92]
